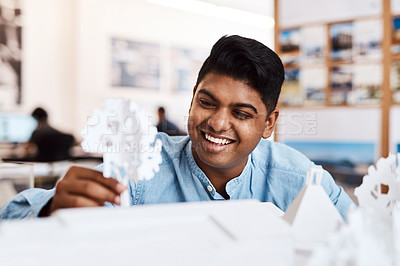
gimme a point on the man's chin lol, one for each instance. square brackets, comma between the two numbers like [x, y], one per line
[217, 159]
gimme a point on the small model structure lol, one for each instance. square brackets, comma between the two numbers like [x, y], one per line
[371, 235]
[381, 186]
[312, 214]
[123, 134]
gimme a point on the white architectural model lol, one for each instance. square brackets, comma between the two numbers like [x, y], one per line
[312, 214]
[127, 140]
[372, 233]
[381, 187]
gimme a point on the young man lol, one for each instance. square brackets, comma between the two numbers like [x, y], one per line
[226, 156]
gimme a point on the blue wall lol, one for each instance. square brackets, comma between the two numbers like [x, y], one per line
[354, 152]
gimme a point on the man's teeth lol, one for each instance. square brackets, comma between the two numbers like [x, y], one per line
[217, 140]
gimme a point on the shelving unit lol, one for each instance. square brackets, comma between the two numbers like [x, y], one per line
[351, 63]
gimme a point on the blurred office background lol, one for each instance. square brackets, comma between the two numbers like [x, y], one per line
[74, 54]
[68, 56]
[70, 47]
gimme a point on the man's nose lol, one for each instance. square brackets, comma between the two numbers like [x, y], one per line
[220, 120]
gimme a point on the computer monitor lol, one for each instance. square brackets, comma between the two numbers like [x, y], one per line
[16, 127]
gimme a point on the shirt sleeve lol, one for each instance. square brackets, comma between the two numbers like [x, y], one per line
[26, 204]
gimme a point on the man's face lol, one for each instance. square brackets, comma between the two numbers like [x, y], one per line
[227, 119]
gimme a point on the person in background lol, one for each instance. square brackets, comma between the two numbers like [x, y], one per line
[48, 143]
[166, 126]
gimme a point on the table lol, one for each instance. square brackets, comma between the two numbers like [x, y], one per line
[244, 232]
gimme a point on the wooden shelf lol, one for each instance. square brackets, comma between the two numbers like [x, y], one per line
[330, 23]
[385, 61]
[396, 57]
[333, 63]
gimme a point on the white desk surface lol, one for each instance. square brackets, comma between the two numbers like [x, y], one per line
[204, 233]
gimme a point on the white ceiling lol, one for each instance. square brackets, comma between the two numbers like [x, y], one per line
[264, 7]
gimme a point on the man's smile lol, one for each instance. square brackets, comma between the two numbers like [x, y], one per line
[214, 143]
[221, 141]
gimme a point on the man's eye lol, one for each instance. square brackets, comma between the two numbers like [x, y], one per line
[206, 103]
[241, 115]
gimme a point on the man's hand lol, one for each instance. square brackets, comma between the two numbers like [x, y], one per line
[83, 187]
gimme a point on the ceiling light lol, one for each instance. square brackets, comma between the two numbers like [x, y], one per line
[221, 12]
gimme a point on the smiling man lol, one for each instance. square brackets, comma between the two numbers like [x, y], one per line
[227, 119]
[225, 156]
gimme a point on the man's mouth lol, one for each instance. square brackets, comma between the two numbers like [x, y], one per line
[220, 141]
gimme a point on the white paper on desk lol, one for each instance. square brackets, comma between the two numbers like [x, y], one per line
[312, 214]
[197, 233]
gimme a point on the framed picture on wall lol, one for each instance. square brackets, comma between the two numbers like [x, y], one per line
[395, 81]
[10, 54]
[341, 80]
[292, 94]
[367, 80]
[341, 36]
[313, 44]
[395, 6]
[290, 60]
[135, 64]
[396, 35]
[313, 82]
[185, 65]
[367, 41]
[289, 40]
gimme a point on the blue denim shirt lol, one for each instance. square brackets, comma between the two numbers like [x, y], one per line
[274, 173]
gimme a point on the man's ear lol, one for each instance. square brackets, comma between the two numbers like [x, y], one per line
[270, 123]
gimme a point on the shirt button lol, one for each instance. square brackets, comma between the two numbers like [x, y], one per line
[210, 188]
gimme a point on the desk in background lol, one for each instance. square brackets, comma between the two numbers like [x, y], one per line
[44, 175]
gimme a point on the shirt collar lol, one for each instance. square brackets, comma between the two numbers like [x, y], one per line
[231, 186]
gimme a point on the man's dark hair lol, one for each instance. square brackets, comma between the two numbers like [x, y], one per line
[249, 61]
[39, 114]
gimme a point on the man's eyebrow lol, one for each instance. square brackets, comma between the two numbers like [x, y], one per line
[245, 105]
[209, 94]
